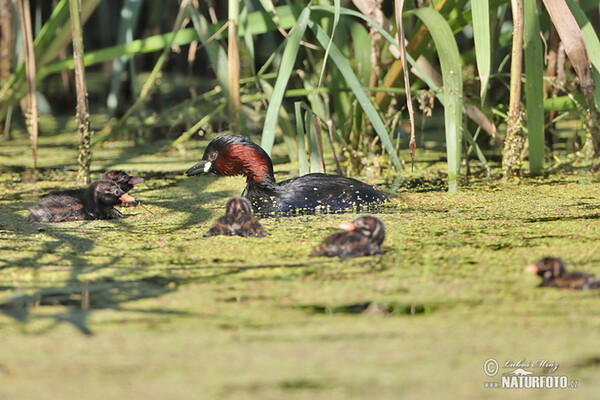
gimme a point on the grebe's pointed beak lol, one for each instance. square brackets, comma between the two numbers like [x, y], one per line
[532, 269]
[127, 199]
[135, 180]
[348, 226]
[200, 168]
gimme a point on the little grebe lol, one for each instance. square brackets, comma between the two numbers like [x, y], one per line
[554, 274]
[230, 155]
[363, 237]
[95, 202]
[125, 181]
[238, 220]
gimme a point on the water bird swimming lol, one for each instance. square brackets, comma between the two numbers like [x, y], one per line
[125, 181]
[229, 155]
[237, 221]
[94, 202]
[554, 274]
[361, 237]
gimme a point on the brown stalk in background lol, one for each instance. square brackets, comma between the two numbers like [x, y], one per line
[233, 60]
[411, 112]
[192, 57]
[551, 87]
[6, 52]
[83, 118]
[32, 111]
[372, 9]
[6, 39]
[382, 99]
[572, 39]
[393, 74]
[514, 140]
[67, 76]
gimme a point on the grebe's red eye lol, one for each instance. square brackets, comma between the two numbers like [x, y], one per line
[212, 156]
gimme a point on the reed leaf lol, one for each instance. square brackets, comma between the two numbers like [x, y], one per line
[196, 127]
[313, 147]
[308, 139]
[481, 36]
[574, 44]
[336, 20]
[58, 37]
[313, 93]
[361, 44]
[289, 138]
[564, 103]
[285, 70]
[216, 53]
[60, 15]
[424, 77]
[248, 39]
[534, 86]
[53, 37]
[452, 78]
[342, 64]
[303, 166]
[591, 42]
[129, 17]
[258, 23]
[473, 145]
[108, 129]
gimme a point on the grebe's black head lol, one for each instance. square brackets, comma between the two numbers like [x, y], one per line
[547, 267]
[230, 155]
[125, 181]
[110, 194]
[367, 225]
[238, 205]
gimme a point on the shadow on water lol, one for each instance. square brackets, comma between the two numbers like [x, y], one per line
[79, 297]
[76, 297]
[421, 185]
[128, 153]
[390, 308]
[563, 218]
[23, 230]
[192, 203]
[371, 308]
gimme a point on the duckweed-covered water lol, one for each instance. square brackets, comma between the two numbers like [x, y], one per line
[145, 307]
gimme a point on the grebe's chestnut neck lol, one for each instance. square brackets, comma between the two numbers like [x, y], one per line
[230, 155]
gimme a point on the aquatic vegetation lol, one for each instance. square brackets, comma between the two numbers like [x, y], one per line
[148, 304]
